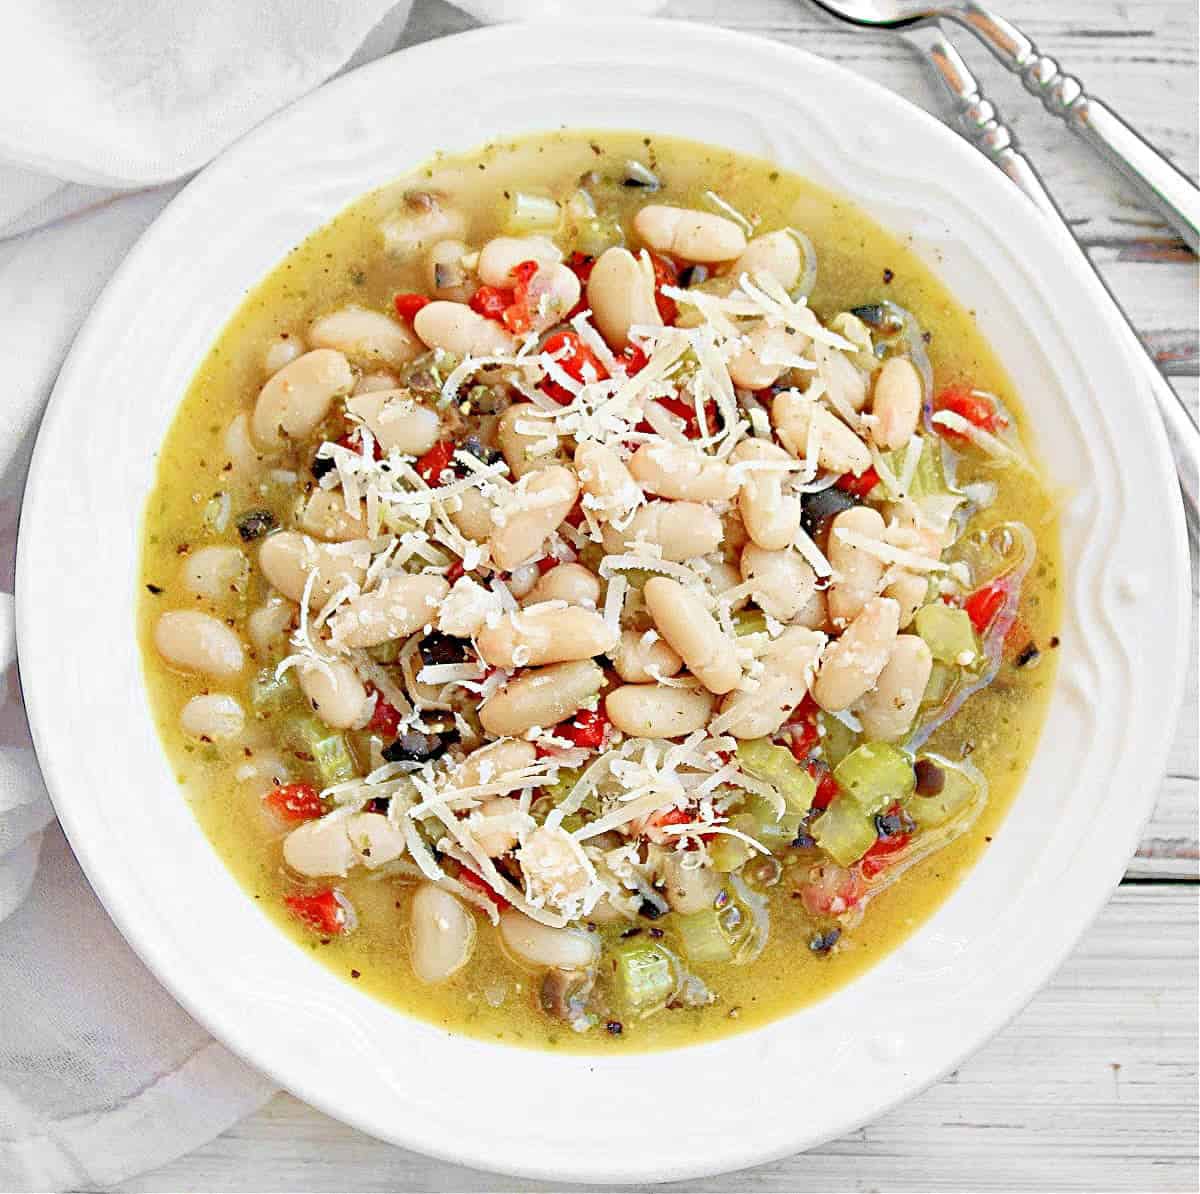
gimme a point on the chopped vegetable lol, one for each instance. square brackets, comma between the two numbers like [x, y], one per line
[334, 760]
[861, 485]
[645, 975]
[587, 728]
[435, 462]
[837, 738]
[523, 213]
[702, 937]
[948, 633]
[728, 853]
[844, 830]
[971, 405]
[961, 786]
[407, 305]
[491, 302]
[295, 802]
[875, 774]
[776, 765]
[272, 694]
[326, 912]
[984, 604]
[385, 720]
[254, 524]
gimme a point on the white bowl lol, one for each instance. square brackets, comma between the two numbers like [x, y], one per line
[820, 1072]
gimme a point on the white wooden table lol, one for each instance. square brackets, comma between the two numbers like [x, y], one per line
[1094, 1085]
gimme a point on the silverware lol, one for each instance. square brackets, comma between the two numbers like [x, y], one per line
[1063, 95]
[981, 124]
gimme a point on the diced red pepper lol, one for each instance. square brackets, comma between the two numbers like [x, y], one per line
[580, 264]
[491, 302]
[385, 720]
[803, 737]
[861, 485]
[984, 604]
[665, 274]
[354, 441]
[518, 316]
[975, 408]
[435, 462]
[323, 912]
[830, 891]
[575, 359]
[827, 787]
[587, 728]
[682, 409]
[878, 857]
[546, 563]
[295, 802]
[633, 358]
[456, 571]
[471, 879]
[407, 305]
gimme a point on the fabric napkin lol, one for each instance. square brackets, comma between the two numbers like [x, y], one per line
[103, 106]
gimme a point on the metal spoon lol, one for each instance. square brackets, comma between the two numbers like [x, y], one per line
[1171, 191]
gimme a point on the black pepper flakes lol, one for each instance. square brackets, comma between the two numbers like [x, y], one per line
[822, 943]
[650, 910]
[254, 524]
[614, 1027]
[356, 974]
[888, 275]
[1029, 654]
[155, 589]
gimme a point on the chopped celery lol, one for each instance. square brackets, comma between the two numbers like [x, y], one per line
[875, 774]
[561, 787]
[777, 766]
[748, 621]
[304, 731]
[524, 213]
[768, 830]
[844, 831]
[269, 694]
[702, 937]
[645, 975]
[728, 853]
[837, 738]
[334, 761]
[941, 680]
[948, 632]
[959, 789]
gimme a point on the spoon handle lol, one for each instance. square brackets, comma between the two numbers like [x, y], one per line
[981, 124]
[1063, 95]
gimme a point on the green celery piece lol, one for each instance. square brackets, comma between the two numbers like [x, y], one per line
[645, 975]
[593, 236]
[749, 622]
[334, 761]
[304, 731]
[777, 766]
[524, 213]
[947, 631]
[837, 738]
[770, 831]
[728, 853]
[269, 694]
[844, 831]
[941, 680]
[959, 791]
[701, 937]
[875, 774]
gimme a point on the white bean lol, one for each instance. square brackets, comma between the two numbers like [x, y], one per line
[446, 273]
[851, 664]
[607, 481]
[374, 839]
[909, 589]
[784, 581]
[838, 448]
[443, 934]
[545, 634]
[550, 494]
[270, 622]
[814, 613]
[466, 608]
[691, 235]
[857, 574]
[843, 379]
[215, 572]
[676, 471]
[776, 253]
[365, 336]
[540, 945]
[572, 583]
[325, 517]
[635, 657]
[693, 633]
[421, 222]
[765, 355]
[495, 840]
[212, 717]
[471, 512]
[541, 697]
[286, 558]
[336, 693]
[457, 329]
[494, 761]
[283, 350]
[198, 642]
[298, 397]
[896, 403]
[398, 607]
[887, 711]
[260, 771]
[553, 292]
[719, 578]
[620, 292]
[240, 449]
[319, 847]
[397, 421]
[689, 888]
[787, 674]
[371, 383]
[771, 518]
[521, 580]
[682, 529]
[525, 451]
[502, 254]
[658, 710]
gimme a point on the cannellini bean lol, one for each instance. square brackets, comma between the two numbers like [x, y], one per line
[896, 403]
[689, 888]
[422, 221]
[270, 622]
[733, 534]
[784, 581]
[843, 379]
[620, 292]
[472, 515]
[765, 354]
[838, 448]
[446, 274]
[693, 633]
[540, 945]
[543, 634]
[787, 674]
[851, 665]
[690, 235]
[909, 590]
[458, 329]
[335, 692]
[286, 558]
[298, 397]
[283, 350]
[771, 518]
[857, 574]
[553, 292]
[319, 848]
[215, 572]
[887, 711]
[494, 761]
[525, 451]
[260, 771]
[398, 607]
[606, 480]
[658, 710]
[682, 529]
[373, 838]
[366, 336]
[325, 517]
[637, 654]
[465, 609]
[541, 697]
[371, 383]
[496, 840]
[675, 471]
[198, 642]
[521, 580]
[549, 495]
[502, 254]
[814, 613]
[720, 578]
[239, 446]
[397, 421]
[443, 934]
[776, 253]
[212, 717]
[572, 583]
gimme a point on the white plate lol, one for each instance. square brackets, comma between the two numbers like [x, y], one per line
[816, 1074]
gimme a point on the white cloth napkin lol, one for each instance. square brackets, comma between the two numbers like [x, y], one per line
[102, 1075]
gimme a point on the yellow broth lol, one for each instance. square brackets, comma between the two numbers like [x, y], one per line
[858, 263]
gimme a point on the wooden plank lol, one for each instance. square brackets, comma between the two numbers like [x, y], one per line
[1092, 1087]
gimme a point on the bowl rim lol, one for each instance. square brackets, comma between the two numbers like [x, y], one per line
[38, 677]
